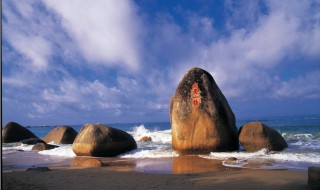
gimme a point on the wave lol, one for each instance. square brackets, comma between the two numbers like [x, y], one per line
[62, 151]
[158, 147]
[303, 136]
[238, 155]
[153, 153]
[283, 159]
[16, 147]
[157, 136]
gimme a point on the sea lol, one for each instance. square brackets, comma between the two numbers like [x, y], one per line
[302, 134]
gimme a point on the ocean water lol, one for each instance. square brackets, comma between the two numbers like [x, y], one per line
[302, 134]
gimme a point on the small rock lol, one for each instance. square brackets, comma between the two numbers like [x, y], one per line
[43, 146]
[231, 159]
[39, 169]
[145, 139]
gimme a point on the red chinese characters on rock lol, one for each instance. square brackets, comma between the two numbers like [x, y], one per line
[195, 94]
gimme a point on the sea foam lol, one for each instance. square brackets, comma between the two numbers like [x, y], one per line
[159, 147]
[157, 136]
[63, 150]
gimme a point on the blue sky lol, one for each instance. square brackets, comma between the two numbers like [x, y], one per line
[107, 61]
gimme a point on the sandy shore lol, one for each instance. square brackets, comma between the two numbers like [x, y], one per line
[189, 173]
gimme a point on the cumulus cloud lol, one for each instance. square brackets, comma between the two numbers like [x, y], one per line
[107, 32]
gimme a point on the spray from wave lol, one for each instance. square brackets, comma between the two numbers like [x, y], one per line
[158, 147]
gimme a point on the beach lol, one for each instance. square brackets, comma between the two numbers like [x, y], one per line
[155, 165]
[123, 176]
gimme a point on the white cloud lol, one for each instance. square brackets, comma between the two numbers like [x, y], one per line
[106, 31]
[27, 34]
[304, 86]
[14, 81]
[242, 62]
[84, 95]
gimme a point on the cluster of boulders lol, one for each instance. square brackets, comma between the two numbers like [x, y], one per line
[93, 140]
[203, 122]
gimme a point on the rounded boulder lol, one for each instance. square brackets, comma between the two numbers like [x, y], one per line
[14, 132]
[99, 140]
[201, 118]
[255, 136]
[61, 135]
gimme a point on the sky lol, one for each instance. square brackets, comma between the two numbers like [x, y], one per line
[110, 61]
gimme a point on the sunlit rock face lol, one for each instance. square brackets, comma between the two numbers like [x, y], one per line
[201, 118]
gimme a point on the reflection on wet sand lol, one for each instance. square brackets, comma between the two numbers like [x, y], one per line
[195, 164]
[179, 165]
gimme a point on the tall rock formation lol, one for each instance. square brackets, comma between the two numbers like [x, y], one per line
[201, 118]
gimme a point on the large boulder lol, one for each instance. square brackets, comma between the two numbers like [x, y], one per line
[201, 118]
[255, 136]
[61, 135]
[102, 141]
[14, 132]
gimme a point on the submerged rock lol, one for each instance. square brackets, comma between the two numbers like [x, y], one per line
[201, 118]
[14, 132]
[43, 146]
[255, 136]
[61, 135]
[102, 141]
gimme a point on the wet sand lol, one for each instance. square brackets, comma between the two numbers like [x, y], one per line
[184, 172]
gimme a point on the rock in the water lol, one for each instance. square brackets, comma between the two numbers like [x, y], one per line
[201, 118]
[255, 136]
[39, 169]
[102, 141]
[61, 135]
[13, 132]
[32, 141]
[231, 159]
[314, 177]
[145, 139]
[43, 146]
